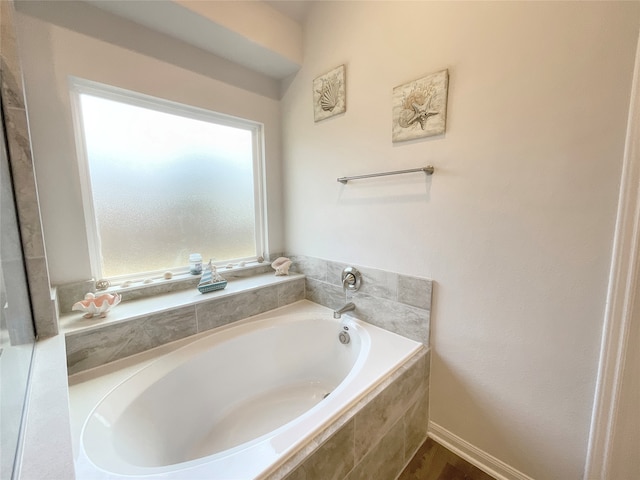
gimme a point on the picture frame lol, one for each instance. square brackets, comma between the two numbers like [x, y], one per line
[420, 107]
[329, 96]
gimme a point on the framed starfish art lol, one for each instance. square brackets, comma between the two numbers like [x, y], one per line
[420, 107]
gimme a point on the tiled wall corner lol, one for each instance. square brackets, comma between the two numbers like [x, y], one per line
[24, 182]
[381, 437]
[314, 268]
[291, 292]
[395, 302]
[92, 348]
[70, 293]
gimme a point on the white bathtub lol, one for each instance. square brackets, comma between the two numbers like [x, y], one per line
[236, 403]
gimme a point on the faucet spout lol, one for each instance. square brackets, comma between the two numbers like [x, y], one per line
[347, 308]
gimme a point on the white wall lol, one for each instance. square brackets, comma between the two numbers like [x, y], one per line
[516, 225]
[51, 53]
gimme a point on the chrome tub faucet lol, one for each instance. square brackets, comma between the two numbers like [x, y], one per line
[347, 308]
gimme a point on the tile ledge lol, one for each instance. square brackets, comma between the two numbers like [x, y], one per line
[47, 449]
[73, 322]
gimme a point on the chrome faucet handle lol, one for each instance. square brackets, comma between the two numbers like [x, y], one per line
[348, 280]
[351, 279]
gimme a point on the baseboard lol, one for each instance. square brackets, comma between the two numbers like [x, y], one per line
[472, 454]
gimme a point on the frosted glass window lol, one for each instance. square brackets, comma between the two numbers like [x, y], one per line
[165, 185]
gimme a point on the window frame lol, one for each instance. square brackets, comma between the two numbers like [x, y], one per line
[79, 86]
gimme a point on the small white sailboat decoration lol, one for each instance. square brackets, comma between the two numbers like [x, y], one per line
[211, 280]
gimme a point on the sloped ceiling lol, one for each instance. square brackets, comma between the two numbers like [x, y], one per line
[298, 10]
[263, 36]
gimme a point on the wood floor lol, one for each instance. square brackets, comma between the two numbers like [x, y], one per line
[434, 462]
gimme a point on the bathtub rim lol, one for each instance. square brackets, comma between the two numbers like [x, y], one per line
[292, 456]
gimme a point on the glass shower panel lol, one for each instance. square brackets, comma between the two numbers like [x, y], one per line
[16, 322]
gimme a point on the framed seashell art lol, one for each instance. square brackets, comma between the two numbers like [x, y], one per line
[329, 94]
[420, 107]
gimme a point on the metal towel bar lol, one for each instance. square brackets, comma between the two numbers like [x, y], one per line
[428, 170]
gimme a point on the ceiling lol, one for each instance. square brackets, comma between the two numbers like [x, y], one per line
[294, 9]
[171, 18]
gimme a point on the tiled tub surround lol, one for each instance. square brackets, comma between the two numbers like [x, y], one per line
[168, 311]
[135, 326]
[398, 303]
[376, 437]
[372, 438]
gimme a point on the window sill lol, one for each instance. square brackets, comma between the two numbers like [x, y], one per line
[67, 295]
[180, 281]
